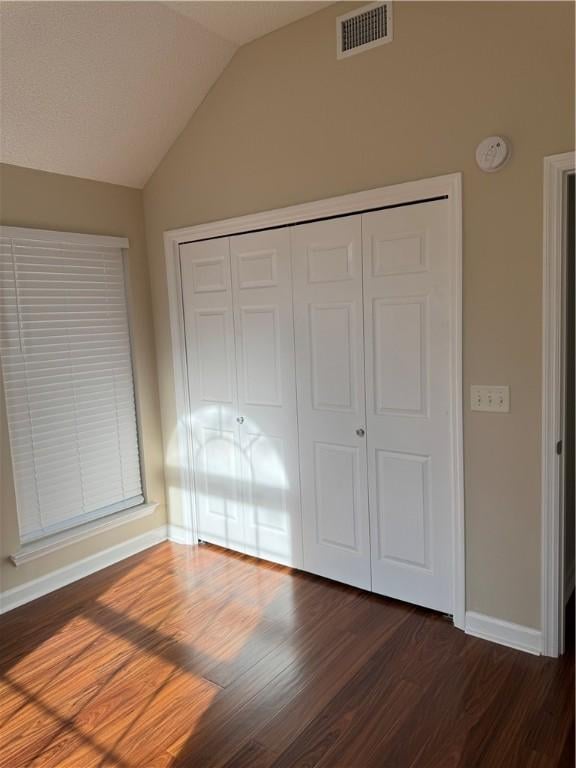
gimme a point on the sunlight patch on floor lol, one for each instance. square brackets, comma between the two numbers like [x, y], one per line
[80, 719]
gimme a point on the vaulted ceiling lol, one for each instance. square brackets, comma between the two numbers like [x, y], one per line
[101, 89]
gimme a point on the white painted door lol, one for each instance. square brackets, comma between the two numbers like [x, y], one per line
[327, 268]
[407, 333]
[209, 328]
[268, 430]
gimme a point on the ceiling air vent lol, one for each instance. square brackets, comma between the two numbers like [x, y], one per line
[365, 28]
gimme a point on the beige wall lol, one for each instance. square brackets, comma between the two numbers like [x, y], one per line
[287, 123]
[49, 201]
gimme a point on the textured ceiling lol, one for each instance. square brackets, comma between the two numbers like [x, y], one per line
[101, 89]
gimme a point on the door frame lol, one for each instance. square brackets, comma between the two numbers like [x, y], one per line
[181, 494]
[556, 170]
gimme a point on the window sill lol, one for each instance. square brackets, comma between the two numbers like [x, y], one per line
[37, 549]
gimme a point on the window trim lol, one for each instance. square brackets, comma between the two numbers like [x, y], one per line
[37, 548]
[26, 233]
[40, 547]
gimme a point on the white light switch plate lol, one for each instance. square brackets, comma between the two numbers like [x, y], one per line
[490, 398]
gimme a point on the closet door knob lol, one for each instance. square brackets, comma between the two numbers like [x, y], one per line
[360, 432]
[240, 419]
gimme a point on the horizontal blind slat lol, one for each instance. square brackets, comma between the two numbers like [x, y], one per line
[66, 360]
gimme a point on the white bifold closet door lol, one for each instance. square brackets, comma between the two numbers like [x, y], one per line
[263, 320]
[319, 360]
[407, 348]
[327, 266]
[211, 357]
[237, 298]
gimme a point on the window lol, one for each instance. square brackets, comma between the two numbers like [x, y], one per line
[67, 370]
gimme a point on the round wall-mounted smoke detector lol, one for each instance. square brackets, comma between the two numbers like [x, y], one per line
[492, 153]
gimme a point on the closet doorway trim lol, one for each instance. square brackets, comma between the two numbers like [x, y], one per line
[182, 526]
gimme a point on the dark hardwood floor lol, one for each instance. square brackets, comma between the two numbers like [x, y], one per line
[200, 657]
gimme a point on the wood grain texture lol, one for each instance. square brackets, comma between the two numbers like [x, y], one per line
[201, 658]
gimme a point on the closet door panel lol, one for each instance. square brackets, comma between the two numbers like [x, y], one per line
[217, 471]
[210, 347]
[213, 353]
[337, 495]
[264, 331]
[327, 266]
[407, 334]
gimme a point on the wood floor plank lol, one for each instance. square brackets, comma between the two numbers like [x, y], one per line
[500, 733]
[251, 755]
[549, 722]
[319, 737]
[567, 757]
[270, 683]
[195, 657]
[445, 743]
[333, 662]
[321, 689]
[409, 673]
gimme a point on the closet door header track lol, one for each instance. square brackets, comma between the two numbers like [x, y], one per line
[319, 218]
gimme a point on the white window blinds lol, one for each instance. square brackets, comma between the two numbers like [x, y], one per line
[66, 365]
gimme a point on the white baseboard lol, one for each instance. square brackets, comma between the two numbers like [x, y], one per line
[24, 593]
[504, 632]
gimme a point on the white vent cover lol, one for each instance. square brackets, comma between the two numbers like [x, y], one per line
[365, 28]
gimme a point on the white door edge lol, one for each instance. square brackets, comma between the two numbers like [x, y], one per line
[556, 168]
